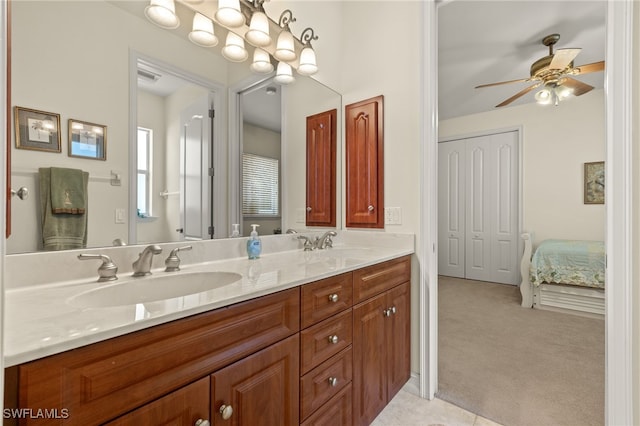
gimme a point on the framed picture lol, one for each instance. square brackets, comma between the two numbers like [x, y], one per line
[594, 183]
[37, 130]
[87, 140]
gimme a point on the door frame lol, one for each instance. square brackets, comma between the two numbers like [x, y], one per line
[620, 374]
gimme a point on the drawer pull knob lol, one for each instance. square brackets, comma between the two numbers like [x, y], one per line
[393, 310]
[202, 422]
[333, 381]
[370, 208]
[333, 339]
[333, 298]
[226, 411]
[386, 312]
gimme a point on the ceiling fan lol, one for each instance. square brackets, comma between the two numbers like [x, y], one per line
[555, 73]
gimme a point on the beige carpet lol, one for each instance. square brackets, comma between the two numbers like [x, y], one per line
[518, 366]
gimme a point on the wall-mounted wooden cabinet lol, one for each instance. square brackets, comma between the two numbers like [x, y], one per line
[365, 164]
[321, 169]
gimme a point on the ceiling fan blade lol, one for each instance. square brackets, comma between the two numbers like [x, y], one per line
[578, 87]
[562, 58]
[502, 82]
[594, 67]
[517, 95]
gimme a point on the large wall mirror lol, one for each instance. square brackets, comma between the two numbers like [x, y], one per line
[80, 60]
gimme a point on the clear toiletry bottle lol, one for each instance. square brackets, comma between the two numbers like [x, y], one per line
[235, 233]
[254, 245]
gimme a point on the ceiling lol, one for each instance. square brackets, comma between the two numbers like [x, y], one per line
[483, 42]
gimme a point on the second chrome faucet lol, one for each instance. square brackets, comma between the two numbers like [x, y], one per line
[142, 266]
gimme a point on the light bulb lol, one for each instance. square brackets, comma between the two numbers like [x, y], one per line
[307, 61]
[258, 33]
[284, 75]
[234, 48]
[261, 62]
[202, 31]
[229, 14]
[285, 50]
[162, 13]
[544, 96]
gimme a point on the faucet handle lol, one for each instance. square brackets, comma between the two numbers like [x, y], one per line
[172, 262]
[107, 271]
[308, 244]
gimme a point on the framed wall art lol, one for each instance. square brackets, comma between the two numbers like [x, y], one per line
[87, 140]
[37, 130]
[594, 183]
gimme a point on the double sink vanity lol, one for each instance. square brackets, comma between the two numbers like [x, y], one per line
[294, 337]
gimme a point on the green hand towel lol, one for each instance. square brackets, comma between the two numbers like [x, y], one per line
[67, 191]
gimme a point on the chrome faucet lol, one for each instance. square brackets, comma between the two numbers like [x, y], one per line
[172, 262]
[325, 240]
[142, 266]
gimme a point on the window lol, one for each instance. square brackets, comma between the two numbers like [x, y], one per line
[260, 186]
[145, 142]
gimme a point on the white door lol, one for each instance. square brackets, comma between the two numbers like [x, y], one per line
[451, 209]
[195, 201]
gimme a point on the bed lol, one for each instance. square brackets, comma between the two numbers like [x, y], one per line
[564, 275]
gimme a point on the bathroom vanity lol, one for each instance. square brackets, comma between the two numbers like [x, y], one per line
[330, 348]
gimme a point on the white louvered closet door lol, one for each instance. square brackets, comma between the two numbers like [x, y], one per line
[481, 175]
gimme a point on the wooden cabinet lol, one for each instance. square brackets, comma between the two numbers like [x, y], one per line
[365, 164]
[381, 341]
[321, 169]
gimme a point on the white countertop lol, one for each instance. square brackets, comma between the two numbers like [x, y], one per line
[40, 320]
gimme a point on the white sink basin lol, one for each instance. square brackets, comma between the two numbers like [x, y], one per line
[153, 288]
[343, 252]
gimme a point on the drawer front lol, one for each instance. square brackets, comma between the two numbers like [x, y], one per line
[325, 381]
[372, 280]
[98, 382]
[325, 339]
[336, 412]
[324, 298]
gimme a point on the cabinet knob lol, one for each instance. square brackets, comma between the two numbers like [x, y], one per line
[333, 298]
[22, 193]
[308, 209]
[333, 381]
[392, 310]
[202, 422]
[370, 208]
[333, 339]
[386, 312]
[226, 411]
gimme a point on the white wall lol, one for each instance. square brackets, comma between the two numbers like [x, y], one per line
[557, 141]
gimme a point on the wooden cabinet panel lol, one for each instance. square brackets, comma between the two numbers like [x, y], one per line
[97, 382]
[336, 412]
[262, 389]
[325, 339]
[375, 279]
[399, 336]
[324, 381]
[321, 169]
[324, 298]
[183, 407]
[365, 164]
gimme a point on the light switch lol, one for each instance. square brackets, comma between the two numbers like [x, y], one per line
[120, 216]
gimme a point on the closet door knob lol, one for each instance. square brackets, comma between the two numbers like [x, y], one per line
[370, 208]
[22, 193]
[226, 411]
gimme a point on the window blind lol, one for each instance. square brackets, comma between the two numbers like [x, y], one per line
[260, 185]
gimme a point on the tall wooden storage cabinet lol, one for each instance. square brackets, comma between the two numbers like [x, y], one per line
[321, 169]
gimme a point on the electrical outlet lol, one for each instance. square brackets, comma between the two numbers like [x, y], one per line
[392, 215]
[387, 216]
[120, 216]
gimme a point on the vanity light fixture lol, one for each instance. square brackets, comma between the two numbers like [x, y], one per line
[234, 49]
[285, 48]
[258, 34]
[202, 31]
[162, 13]
[229, 14]
[261, 62]
[284, 75]
[308, 55]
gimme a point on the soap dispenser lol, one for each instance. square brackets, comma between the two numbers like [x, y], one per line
[254, 245]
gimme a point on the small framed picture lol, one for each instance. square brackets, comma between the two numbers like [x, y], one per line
[37, 130]
[594, 183]
[87, 140]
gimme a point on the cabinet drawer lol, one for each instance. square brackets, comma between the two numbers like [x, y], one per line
[325, 339]
[324, 298]
[98, 382]
[375, 279]
[325, 381]
[336, 412]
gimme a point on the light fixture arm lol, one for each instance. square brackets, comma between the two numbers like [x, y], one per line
[286, 18]
[308, 35]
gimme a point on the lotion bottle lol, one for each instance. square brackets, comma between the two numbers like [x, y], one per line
[254, 245]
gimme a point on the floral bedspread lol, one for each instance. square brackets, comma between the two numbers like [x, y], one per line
[569, 262]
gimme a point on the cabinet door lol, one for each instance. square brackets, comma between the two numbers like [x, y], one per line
[369, 359]
[262, 389]
[398, 332]
[365, 164]
[183, 407]
[321, 169]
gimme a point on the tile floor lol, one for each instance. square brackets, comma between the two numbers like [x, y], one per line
[408, 409]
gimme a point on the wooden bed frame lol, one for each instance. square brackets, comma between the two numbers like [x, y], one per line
[586, 301]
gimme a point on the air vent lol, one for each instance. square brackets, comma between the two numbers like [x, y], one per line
[149, 76]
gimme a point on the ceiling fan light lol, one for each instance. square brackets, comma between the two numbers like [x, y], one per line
[202, 31]
[285, 50]
[544, 96]
[261, 62]
[258, 33]
[284, 74]
[229, 14]
[234, 49]
[162, 13]
[307, 61]
[563, 92]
